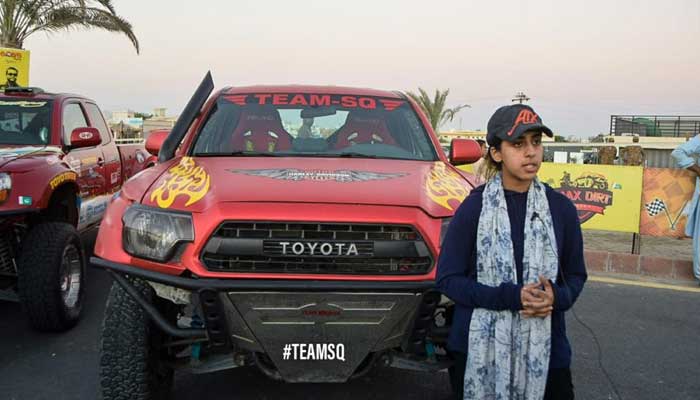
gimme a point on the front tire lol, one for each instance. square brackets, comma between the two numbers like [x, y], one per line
[51, 276]
[132, 361]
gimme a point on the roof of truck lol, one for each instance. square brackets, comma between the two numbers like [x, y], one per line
[36, 94]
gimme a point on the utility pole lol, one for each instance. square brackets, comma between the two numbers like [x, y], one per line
[520, 97]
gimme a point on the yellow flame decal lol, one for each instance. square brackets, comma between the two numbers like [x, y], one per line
[443, 186]
[186, 179]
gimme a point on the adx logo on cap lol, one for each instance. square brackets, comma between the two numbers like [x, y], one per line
[526, 117]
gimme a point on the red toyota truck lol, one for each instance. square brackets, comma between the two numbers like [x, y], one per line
[294, 228]
[59, 165]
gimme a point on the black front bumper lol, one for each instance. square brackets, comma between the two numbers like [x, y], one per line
[219, 285]
[208, 289]
[413, 307]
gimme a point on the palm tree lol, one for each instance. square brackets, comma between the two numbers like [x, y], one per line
[434, 108]
[21, 18]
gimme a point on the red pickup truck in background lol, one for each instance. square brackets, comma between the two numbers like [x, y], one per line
[59, 166]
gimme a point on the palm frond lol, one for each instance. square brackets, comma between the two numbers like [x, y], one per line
[434, 108]
[21, 18]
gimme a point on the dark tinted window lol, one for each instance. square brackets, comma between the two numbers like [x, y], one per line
[25, 122]
[313, 125]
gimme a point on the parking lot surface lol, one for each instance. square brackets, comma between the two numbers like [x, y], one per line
[648, 338]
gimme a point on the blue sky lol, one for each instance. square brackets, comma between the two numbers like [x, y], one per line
[579, 61]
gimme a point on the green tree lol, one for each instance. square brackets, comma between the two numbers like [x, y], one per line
[435, 108]
[558, 138]
[145, 116]
[21, 18]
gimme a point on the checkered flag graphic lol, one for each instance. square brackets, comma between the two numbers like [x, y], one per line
[655, 207]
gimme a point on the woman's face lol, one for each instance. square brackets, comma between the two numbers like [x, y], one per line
[521, 158]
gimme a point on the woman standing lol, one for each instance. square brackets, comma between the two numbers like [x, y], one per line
[512, 261]
[686, 156]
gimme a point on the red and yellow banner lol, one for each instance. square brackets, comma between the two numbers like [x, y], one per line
[606, 196]
[666, 193]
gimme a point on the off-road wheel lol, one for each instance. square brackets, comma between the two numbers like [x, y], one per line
[133, 363]
[51, 276]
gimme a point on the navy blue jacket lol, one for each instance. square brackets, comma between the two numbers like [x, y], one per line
[456, 274]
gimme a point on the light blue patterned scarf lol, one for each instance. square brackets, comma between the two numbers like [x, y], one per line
[509, 355]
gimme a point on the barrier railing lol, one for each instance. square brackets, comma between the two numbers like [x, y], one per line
[655, 125]
[129, 141]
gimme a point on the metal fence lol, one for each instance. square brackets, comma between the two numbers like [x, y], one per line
[659, 158]
[129, 141]
[655, 125]
[653, 158]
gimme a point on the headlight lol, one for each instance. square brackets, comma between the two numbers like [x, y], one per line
[5, 186]
[154, 234]
[443, 228]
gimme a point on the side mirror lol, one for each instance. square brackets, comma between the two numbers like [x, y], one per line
[155, 140]
[464, 151]
[85, 137]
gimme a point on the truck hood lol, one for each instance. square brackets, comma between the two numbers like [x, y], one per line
[20, 158]
[196, 183]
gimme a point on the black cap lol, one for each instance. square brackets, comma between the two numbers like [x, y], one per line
[510, 122]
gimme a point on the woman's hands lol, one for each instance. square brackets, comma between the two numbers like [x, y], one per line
[537, 299]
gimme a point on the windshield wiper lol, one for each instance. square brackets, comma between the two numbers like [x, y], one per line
[363, 155]
[354, 154]
[320, 155]
[351, 154]
[10, 159]
[237, 154]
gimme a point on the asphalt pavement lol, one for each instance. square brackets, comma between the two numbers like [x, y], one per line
[648, 338]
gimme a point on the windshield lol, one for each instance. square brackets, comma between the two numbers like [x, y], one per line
[25, 122]
[313, 125]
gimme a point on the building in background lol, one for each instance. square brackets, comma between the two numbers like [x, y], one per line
[659, 126]
[159, 120]
[127, 126]
[446, 137]
[118, 116]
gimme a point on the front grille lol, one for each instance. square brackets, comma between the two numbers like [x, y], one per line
[317, 248]
[295, 230]
[386, 266]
